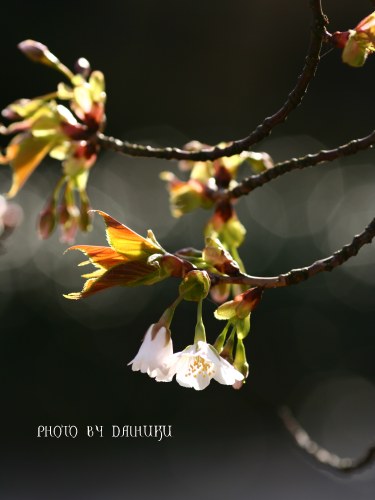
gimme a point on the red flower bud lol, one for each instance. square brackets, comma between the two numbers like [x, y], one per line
[47, 220]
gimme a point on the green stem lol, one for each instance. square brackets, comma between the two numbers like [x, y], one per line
[167, 316]
[57, 189]
[219, 343]
[227, 352]
[200, 332]
[65, 71]
[237, 258]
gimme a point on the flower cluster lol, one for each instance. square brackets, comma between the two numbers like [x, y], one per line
[206, 188]
[198, 363]
[66, 125]
[132, 260]
[203, 188]
[43, 126]
[193, 367]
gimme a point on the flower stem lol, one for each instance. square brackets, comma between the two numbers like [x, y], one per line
[57, 189]
[227, 352]
[237, 258]
[219, 343]
[200, 332]
[167, 316]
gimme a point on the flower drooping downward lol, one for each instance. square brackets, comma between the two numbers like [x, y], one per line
[196, 365]
[154, 354]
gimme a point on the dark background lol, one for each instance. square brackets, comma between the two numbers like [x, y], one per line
[176, 71]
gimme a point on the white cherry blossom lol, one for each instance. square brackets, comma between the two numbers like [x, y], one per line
[154, 354]
[198, 364]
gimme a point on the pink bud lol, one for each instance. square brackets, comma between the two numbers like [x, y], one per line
[37, 52]
[69, 232]
[47, 221]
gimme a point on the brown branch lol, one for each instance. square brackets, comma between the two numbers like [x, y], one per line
[255, 181]
[320, 454]
[318, 34]
[296, 276]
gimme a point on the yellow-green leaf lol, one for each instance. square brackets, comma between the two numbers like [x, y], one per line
[128, 242]
[26, 153]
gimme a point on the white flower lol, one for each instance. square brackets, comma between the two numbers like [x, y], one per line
[198, 364]
[154, 353]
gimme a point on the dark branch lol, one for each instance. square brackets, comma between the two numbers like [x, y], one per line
[255, 181]
[296, 276]
[318, 33]
[320, 454]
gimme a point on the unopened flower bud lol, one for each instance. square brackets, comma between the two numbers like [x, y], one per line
[38, 52]
[82, 67]
[241, 306]
[243, 327]
[64, 215]
[69, 231]
[69, 216]
[47, 220]
[9, 114]
[195, 286]
[85, 216]
[240, 361]
[223, 176]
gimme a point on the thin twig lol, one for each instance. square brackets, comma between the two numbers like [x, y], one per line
[320, 454]
[255, 181]
[296, 276]
[318, 34]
